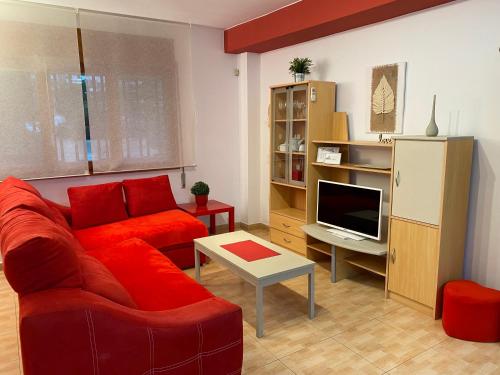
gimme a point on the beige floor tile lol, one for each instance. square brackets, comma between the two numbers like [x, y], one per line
[423, 328]
[255, 355]
[274, 368]
[383, 345]
[454, 357]
[328, 357]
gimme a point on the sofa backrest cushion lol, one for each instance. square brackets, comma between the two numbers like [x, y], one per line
[65, 211]
[15, 194]
[12, 181]
[146, 196]
[152, 280]
[99, 280]
[37, 253]
[96, 204]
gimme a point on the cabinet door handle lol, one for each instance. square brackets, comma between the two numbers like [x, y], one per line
[285, 225]
[393, 256]
[398, 179]
[286, 240]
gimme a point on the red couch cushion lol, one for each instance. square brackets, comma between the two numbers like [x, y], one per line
[99, 280]
[16, 194]
[152, 280]
[160, 230]
[96, 204]
[65, 211]
[38, 254]
[15, 182]
[146, 196]
[471, 311]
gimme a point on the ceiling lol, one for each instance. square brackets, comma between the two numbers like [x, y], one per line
[216, 13]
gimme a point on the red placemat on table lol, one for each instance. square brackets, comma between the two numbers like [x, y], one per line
[250, 250]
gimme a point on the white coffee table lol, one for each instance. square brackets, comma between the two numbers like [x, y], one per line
[259, 273]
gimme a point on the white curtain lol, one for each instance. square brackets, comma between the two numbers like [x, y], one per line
[41, 108]
[139, 92]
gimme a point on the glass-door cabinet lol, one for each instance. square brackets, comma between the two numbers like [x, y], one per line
[289, 132]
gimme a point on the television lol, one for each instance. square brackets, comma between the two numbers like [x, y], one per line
[350, 208]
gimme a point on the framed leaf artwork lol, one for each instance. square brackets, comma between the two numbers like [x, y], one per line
[387, 97]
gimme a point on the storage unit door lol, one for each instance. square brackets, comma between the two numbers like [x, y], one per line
[418, 179]
[413, 259]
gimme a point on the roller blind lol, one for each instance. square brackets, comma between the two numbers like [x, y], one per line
[139, 92]
[41, 107]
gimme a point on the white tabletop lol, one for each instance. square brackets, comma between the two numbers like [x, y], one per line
[258, 269]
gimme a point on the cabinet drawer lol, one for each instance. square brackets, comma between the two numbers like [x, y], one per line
[289, 241]
[286, 224]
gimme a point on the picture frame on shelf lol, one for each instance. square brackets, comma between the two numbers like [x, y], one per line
[333, 158]
[324, 153]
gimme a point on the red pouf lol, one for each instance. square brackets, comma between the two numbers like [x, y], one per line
[471, 311]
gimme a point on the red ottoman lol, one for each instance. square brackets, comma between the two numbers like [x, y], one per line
[471, 311]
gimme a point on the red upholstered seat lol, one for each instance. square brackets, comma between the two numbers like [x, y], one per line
[139, 266]
[160, 230]
[471, 311]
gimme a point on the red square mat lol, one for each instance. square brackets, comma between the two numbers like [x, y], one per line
[250, 250]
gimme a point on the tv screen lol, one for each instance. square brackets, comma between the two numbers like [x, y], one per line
[353, 208]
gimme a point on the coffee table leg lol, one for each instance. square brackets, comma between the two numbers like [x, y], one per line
[212, 224]
[259, 307]
[197, 264]
[311, 294]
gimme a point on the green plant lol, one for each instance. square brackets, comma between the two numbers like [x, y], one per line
[200, 188]
[300, 65]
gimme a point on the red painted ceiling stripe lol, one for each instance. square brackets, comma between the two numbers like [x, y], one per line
[311, 19]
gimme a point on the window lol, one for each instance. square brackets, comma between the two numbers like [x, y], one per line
[41, 109]
[133, 109]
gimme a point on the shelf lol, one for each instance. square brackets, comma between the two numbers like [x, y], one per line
[293, 152]
[295, 119]
[321, 247]
[355, 143]
[289, 185]
[370, 263]
[354, 167]
[293, 213]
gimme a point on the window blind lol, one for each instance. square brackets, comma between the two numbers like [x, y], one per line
[41, 108]
[139, 92]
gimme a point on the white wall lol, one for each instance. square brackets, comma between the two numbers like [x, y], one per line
[453, 51]
[217, 153]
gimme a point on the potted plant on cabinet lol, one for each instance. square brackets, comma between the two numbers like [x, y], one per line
[299, 67]
[200, 191]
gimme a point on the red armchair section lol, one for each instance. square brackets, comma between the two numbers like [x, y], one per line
[70, 331]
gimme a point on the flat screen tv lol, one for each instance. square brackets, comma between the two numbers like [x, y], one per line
[352, 208]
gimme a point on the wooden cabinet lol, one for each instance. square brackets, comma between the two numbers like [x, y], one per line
[418, 181]
[294, 120]
[413, 258]
[430, 190]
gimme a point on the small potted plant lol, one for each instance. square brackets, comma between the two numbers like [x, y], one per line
[299, 67]
[200, 191]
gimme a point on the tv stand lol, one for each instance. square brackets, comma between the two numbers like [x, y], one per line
[371, 255]
[344, 235]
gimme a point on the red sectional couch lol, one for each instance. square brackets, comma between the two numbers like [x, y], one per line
[92, 304]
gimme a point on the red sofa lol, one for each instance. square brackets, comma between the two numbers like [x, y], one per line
[95, 305]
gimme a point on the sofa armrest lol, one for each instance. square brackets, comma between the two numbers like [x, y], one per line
[70, 331]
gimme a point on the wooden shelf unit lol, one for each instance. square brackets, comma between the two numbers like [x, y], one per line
[289, 203]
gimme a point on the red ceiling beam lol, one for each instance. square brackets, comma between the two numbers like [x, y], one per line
[311, 19]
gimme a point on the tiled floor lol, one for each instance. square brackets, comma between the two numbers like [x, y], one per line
[356, 331]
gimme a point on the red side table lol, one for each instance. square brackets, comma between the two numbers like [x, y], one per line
[212, 208]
